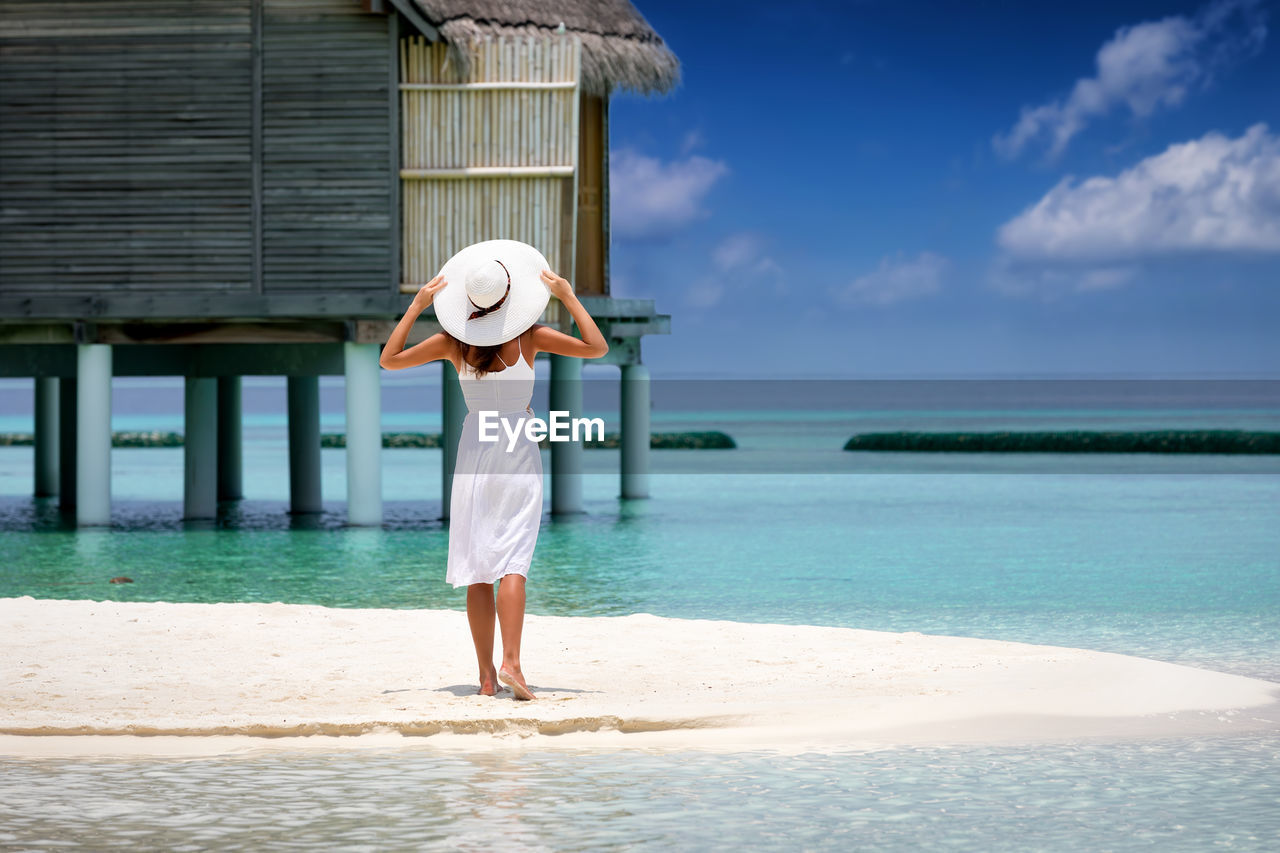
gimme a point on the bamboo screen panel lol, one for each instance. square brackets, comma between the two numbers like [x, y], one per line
[494, 155]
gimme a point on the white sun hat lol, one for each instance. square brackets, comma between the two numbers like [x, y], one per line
[493, 291]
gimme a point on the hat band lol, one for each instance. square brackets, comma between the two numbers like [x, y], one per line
[494, 307]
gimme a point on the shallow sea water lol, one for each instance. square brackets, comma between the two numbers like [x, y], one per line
[1178, 794]
[1181, 566]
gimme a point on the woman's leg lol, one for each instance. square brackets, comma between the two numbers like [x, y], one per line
[480, 613]
[511, 618]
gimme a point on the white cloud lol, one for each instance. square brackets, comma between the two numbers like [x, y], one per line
[1015, 277]
[693, 139]
[742, 253]
[896, 279]
[651, 199]
[740, 264]
[705, 292]
[1208, 194]
[1145, 67]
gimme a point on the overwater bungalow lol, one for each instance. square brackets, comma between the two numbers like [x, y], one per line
[258, 187]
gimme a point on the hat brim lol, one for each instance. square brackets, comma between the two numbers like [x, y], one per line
[523, 306]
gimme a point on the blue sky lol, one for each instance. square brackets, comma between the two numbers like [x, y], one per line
[956, 189]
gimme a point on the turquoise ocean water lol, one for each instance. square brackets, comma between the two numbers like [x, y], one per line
[1176, 559]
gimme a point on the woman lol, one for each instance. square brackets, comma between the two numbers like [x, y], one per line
[490, 335]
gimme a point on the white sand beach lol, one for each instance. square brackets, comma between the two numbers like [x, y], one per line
[156, 675]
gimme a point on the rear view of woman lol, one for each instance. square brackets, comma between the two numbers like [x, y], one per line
[487, 299]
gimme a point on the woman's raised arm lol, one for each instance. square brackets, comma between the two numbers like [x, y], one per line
[395, 356]
[547, 339]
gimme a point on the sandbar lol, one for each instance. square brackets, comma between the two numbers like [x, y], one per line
[149, 678]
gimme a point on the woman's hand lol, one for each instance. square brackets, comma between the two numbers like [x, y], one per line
[428, 292]
[559, 287]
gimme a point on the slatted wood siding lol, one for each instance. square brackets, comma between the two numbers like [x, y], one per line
[125, 145]
[328, 175]
[186, 150]
[491, 156]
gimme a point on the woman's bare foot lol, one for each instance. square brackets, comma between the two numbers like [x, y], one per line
[513, 678]
[489, 683]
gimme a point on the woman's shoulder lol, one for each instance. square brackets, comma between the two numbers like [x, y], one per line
[454, 351]
[535, 332]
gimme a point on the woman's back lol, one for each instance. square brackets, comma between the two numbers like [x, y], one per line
[506, 391]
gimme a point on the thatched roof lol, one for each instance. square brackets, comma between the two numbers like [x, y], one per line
[619, 48]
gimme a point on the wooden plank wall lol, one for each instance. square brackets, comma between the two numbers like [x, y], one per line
[193, 148]
[125, 145]
[483, 160]
[327, 172]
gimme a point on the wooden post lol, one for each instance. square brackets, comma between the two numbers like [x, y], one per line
[303, 405]
[93, 434]
[453, 411]
[635, 431]
[67, 467]
[591, 249]
[230, 440]
[566, 456]
[46, 437]
[364, 433]
[200, 448]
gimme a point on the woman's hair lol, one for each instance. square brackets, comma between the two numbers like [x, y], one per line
[480, 358]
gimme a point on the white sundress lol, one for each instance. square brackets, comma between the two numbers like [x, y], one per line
[495, 506]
